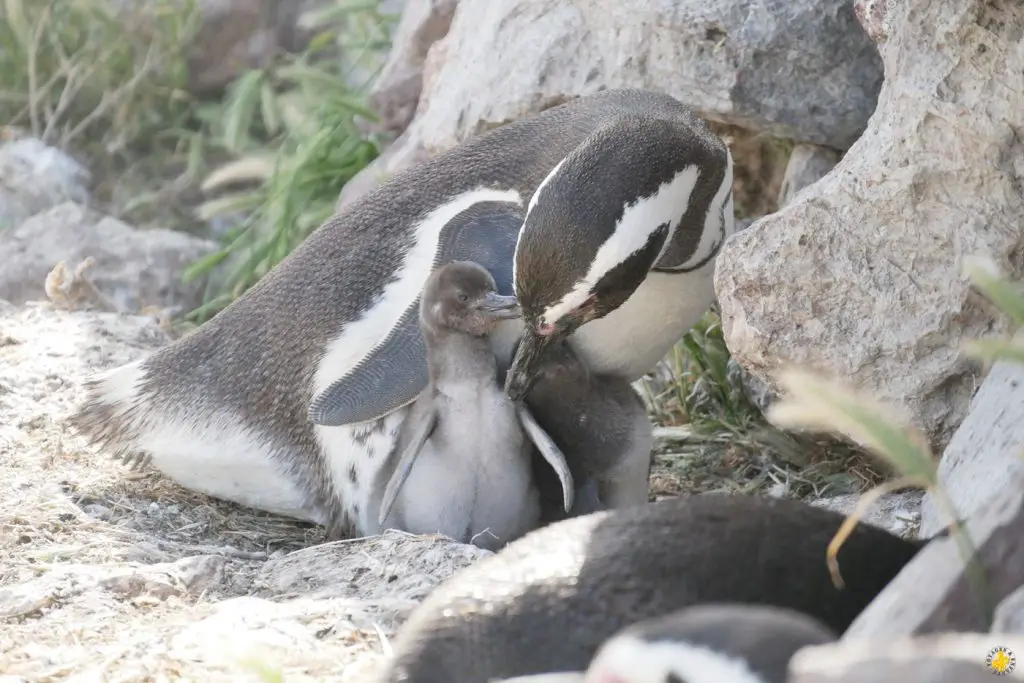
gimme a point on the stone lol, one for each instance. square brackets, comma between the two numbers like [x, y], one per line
[396, 91]
[945, 658]
[859, 276]
[237, 35]
[989, 440]
[807, 165]
[932, 594]
[35, 177]
[1009, 614]
[132, 268]
[733, 61]
[899, 513]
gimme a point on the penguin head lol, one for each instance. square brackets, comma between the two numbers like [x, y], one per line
[462, 296]
[703, 644]
[593, 230]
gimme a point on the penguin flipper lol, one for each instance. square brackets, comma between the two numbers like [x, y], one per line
[422, 429]
[394, 373]
[551, 452]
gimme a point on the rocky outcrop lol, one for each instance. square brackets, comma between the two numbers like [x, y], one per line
[899, 513]
[987, 447]
[131, 268]
[396, 91]
[940, 658]
[732, 61]
[35, 177]
[859, 275]
[807, 165]
[933, 593]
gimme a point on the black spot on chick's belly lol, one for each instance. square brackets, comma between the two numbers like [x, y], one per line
[674, 678]
[352, 474]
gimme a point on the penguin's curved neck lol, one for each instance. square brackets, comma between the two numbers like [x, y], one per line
[457, 356]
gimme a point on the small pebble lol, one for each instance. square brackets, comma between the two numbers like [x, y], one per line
[154, 508]
[98, 511]
[173, 509]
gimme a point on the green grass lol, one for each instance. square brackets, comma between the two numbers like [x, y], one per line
[712, 438]
[294, 131]
[111, 88]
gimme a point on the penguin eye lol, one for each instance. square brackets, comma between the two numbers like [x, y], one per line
[463, 297]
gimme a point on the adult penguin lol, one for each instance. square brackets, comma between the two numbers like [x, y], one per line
[291, 398]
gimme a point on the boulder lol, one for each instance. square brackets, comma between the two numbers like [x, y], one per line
[1009, 614]
[396, 91]
[859, 276]
[932, 593]
[989, 440]
[502, 60]
[899, 513]
[34, 177]
[945, 658]
[807, 165]
[237, 35]
[733, 61]
[131, 268]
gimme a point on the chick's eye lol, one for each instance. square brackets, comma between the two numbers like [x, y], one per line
[463, 297]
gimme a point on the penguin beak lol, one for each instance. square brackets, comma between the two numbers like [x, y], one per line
[500, 307]
[524, 371]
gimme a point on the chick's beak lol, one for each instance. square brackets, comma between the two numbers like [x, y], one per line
[500, 307]
[523, 372]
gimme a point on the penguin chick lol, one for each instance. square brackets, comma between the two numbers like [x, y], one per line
[462, 464]
[601, 425]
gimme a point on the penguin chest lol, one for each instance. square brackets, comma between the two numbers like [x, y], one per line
[630, 340]
[476, 469]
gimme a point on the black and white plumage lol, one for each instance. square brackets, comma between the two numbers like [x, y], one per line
[733, 643]
[546, 602]
[710, 643]
[291, 398]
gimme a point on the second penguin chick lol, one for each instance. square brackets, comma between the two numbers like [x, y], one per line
[601, 425]
[462, 464]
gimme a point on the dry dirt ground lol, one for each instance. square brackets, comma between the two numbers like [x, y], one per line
[106, 575]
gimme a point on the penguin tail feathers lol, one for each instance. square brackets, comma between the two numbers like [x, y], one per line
[112, 413]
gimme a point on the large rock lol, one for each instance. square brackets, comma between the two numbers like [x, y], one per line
[396, 91]
[502, 60]
[807, 165]
[932, 593]
[237, 35]
[757, 65]
[899, 513]
[990, 440]
[860, 275]
[132, 268]
[945, 658]
[35, 177]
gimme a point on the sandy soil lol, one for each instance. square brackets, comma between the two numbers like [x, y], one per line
[111, 575]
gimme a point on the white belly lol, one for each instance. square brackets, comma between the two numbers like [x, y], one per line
[631, 340]
[471, 480]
